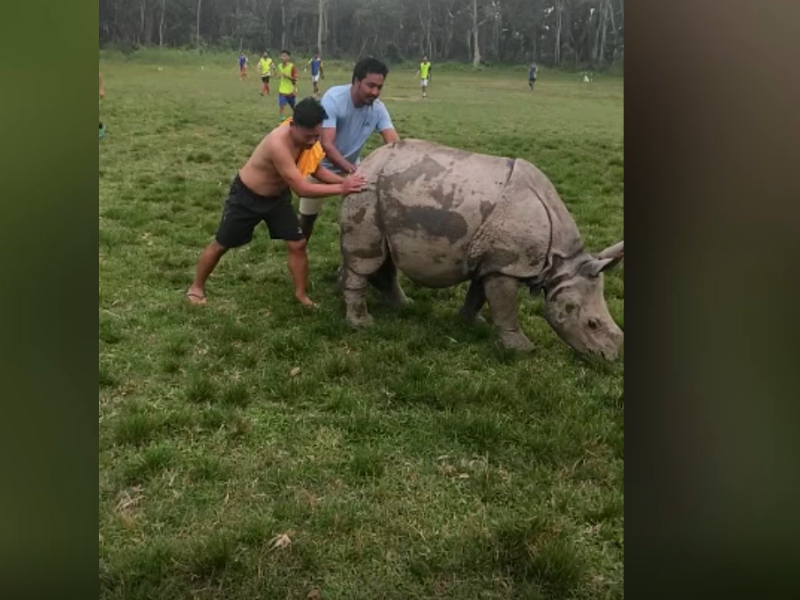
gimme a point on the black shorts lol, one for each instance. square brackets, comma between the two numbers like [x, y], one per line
[244, 209]
[265, 78]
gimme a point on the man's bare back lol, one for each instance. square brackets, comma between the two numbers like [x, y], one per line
[259, 172]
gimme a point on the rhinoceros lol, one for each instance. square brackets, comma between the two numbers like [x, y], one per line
[444, 216]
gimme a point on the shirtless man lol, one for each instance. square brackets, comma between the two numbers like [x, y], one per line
[261, 191]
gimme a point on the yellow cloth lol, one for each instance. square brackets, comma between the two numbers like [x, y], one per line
[309, 160]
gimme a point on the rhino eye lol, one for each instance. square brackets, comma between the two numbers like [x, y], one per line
[593, 323]
[570, 308]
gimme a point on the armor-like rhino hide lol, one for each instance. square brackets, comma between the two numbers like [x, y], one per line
[443, 216]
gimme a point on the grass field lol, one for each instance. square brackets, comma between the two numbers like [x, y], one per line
[413, 460]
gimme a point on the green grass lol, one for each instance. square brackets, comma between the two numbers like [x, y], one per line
[413, 460]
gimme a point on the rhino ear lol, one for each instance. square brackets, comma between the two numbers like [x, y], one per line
[607, 259]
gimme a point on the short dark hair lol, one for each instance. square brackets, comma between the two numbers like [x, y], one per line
[286, 52]
[367, 66]
[309, 113]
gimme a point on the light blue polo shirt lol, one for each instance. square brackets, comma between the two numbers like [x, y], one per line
[353, 125]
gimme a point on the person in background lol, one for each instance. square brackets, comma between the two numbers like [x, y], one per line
[242, 66]
[424, 73]
[266, 67]
[287, 87]
[316, 72]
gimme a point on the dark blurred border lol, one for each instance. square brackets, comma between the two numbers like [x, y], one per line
[712, 200]
[48, 300]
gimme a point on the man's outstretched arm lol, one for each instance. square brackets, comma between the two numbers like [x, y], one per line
[287, 169]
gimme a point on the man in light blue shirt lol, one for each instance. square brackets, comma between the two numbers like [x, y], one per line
[354, 112]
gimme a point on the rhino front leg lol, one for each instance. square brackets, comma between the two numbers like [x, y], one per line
[473, 303]
[501, 291]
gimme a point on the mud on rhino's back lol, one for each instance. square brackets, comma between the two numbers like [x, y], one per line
[431, 201]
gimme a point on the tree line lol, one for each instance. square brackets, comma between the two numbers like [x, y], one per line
[562, 33]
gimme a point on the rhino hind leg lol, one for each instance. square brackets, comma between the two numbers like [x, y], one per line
[501, 292]
[355, 298]
[385, 280]
[473, 303]
[363, 254]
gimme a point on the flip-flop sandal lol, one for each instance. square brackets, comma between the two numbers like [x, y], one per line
[194, 295]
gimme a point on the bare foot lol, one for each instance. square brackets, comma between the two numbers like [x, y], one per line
[196, 296]
[306, 301]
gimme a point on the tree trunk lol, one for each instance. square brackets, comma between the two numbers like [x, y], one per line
[425, 38]
[320, 18]
[161, 24]
[476, 51]
[614, 30]
[149, 21]
[498, 31]
[267, 33]
[140, 35]
[428, 31]
[283, 24]
[448, 34]
[602, 53]
[236, 25]
[421, 37]
[573, 44]
[364, 45]
[557, 56]
[197, 31]
[322, 23]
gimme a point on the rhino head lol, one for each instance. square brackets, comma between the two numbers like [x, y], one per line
[575, 306]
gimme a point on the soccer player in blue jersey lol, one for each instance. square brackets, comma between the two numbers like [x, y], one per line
[242, 66]
[316, 72]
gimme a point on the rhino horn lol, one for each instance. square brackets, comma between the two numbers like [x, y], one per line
[605, 260]
[614, 251]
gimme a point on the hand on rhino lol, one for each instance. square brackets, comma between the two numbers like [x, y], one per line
[355, 182]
